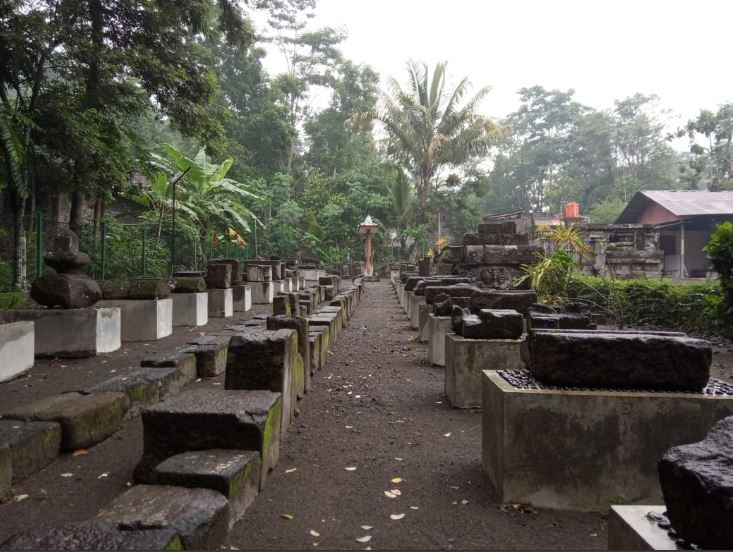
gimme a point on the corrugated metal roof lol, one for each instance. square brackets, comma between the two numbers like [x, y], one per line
[692, 203]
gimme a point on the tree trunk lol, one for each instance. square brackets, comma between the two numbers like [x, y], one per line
[76, 218]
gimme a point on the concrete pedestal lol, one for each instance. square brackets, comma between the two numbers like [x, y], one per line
[465, 359]
[310, 275]
[414, 312]
[262, 292]
[630, 529]
[438, 326]
[422, 321]
[221, 303]
[301, 282]
[242, 298]
[16, 349]
[74, 333]
[190, 309]
[144, 319]
[583, 450]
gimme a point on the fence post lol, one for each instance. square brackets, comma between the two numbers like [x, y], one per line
[103, 253]
[142, 256]
[39, 244]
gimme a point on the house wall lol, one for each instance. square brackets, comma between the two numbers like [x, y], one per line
[656, 214]
[696, 262]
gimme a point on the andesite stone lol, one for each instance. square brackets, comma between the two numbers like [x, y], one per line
[211, 354]
[237, 268]
[456, 290]
[619, 360]
[189, 284]
[94, 535]
[114, 290]
[697, 483]
[145, 386]
[199, 516]
[457, 318]
[281, 305]
[218, 276]
[32, 445]
[149, 288]
[518, 300]
[70, 291]
[493, 324]
[560, 321]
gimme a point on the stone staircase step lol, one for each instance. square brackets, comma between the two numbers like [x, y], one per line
[85, 419]
[199, 516]
[202, 419]
[32, 445]
[94, 535]
[233, 473]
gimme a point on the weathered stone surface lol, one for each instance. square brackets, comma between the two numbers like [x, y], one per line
[561, 321]
[70, 291]
[457, 316]
[457, 290]
[211, 354]
[185, 362]
[6, 471]
[32, 446]
[412, 282]
[330, 280]
[294, 304]
[203, 419]
[189, 284]
[266, 360]
[301, 326]
[277, 267]
[189, 273]
[518, 300]
[697, 483]
[85, 419]
[619, 360]
[94, 535]
[443, 307]
[66, 261]
[149, 288]
[199, 516]
[145, 386]
[258, 273]
[314, 340]
[114, 290]
[493, 324]
[541, 309]
[218, 276]
[423, 267]
[237, 269]
[233, 473]
[281, 305]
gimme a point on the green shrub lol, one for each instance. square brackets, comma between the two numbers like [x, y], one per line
[720, 251]
[12, 300]
[654, 303]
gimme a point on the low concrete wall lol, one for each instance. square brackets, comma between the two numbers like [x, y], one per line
[144, 319]
[17, 351]
[438, 326]
[415, 303]
[242, 298]
[580, 450]
[630, 529]
[221, 303]
[71, 332]
[190, 309]
[465, 359]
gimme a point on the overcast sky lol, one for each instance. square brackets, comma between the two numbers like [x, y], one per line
[604, 49]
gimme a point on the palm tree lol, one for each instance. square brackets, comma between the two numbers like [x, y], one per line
[428, 129]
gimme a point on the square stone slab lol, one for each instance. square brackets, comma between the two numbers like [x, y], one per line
[200, 516]
[211, 354]
[94, 535]
[85, 419]
[202, 419]
[233, 473]
[32, 445]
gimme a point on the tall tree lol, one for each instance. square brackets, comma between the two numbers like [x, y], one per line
[429, 129]
[710, 164]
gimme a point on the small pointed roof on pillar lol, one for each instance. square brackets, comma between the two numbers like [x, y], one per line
[368, 225]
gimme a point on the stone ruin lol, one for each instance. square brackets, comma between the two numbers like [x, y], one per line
[68, 288]
[493, 256]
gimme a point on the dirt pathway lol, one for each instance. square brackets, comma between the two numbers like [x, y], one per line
[378, 406]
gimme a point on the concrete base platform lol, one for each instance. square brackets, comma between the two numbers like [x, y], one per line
[17, 348]
[414, 313]
[144, 319]
[465, 359]
[438, 327]
[424, 310]
[262, 292]
[584, 450]
[72, 333]
[221, 303]
[190, 309]
[242, 298]
[630, 529]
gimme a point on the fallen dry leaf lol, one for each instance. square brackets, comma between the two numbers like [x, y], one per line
[396, 480]
[67, 474]
[366, 527]
[80, 452]
[20, 497]
[103, 475]
[464, 501]
[390, 494]
[290, 470]
[446, 434]
[287, 516]
[398, 459]
[396, 492]
[396, 516]
[314, 533]
[413, 507]
[365, 538]
[350, 468]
